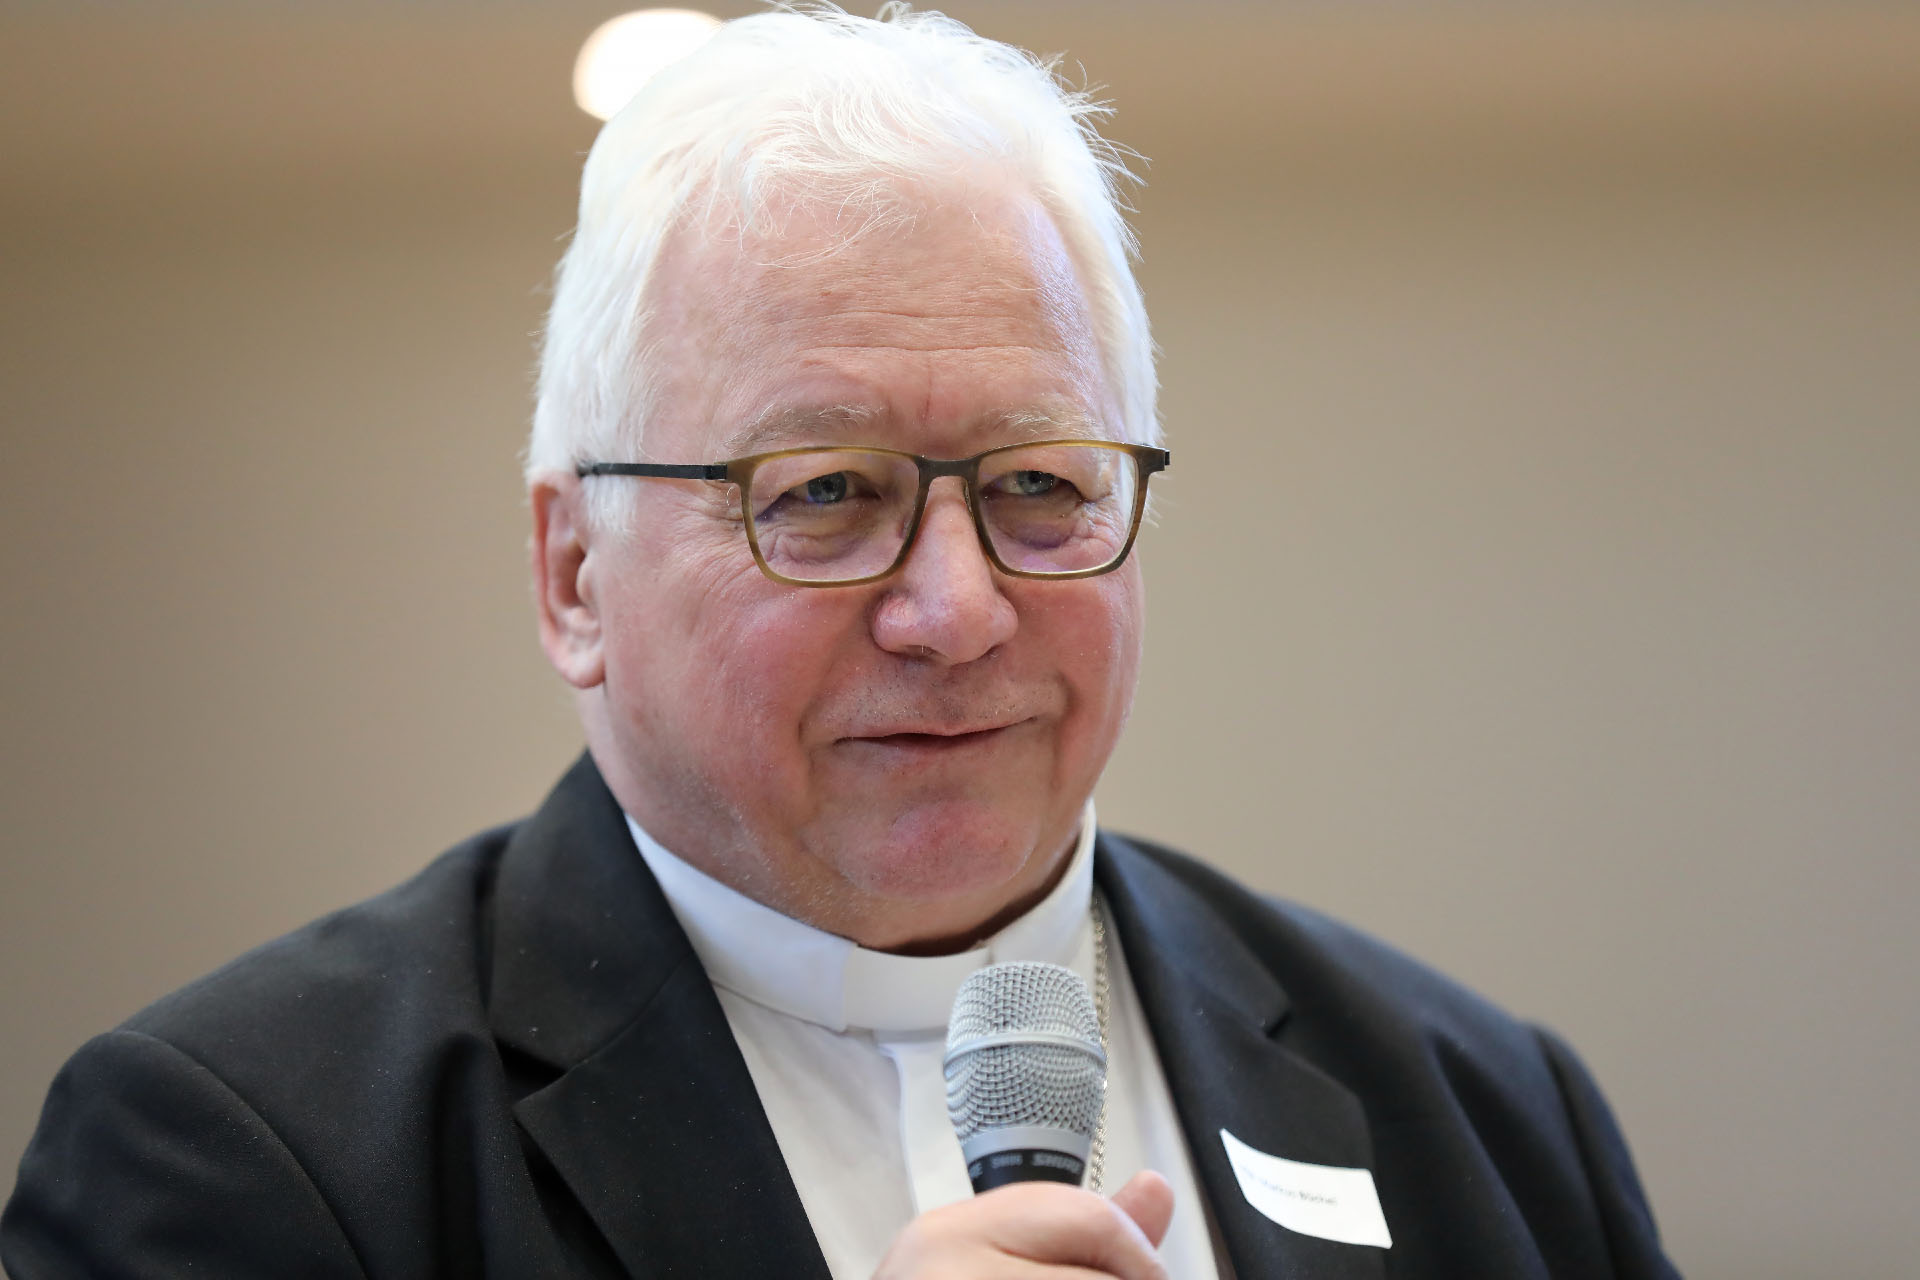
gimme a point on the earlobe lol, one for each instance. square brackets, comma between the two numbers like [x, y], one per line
[563, 582]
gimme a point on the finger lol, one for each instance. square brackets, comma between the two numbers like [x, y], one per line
[1148, 1200]
[1051, 1223]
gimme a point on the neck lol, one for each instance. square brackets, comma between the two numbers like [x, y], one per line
[968, 939]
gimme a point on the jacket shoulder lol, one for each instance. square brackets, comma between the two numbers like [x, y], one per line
[1306, 944]
[408, 963]
[1475, 1116]
[1355, 1002]
[288, 1113]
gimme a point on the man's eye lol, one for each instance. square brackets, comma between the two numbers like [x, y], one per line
[1031, 484]
[825, 490]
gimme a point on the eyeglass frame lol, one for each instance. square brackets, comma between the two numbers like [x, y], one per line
[1147, 461]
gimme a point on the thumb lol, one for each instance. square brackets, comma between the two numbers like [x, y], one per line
[1148, 1200]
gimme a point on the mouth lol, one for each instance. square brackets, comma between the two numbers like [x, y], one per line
[933, 741]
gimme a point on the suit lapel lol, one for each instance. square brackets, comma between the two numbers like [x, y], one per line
[1217, 1015]
[653, 1120]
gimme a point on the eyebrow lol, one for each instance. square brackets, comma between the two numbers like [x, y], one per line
[1061, 421]
[797, 426]
[792, 426]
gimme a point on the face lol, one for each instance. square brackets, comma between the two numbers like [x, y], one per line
[903, 763]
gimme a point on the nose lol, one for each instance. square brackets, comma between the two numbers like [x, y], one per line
[945, 602]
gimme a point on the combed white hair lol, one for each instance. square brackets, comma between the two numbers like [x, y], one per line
[817, 108]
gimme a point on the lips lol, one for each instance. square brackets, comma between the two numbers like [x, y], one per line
[933, 731]
[920, 738]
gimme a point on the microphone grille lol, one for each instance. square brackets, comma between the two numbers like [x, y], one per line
[1045, 1066]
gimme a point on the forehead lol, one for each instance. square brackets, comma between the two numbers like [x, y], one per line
[960, 327]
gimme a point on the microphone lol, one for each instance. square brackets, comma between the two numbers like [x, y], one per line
[1026, 1075]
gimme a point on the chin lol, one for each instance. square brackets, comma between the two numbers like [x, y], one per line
[941, 852]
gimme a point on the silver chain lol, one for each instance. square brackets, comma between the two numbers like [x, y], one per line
[1097, 1153]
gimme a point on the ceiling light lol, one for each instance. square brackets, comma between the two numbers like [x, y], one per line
[625, 52]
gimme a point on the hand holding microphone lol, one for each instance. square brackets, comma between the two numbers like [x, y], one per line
[1026, 1082]
[1037, 1231]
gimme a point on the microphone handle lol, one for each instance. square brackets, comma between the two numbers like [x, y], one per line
[1025, 1164]
[1025, 1153]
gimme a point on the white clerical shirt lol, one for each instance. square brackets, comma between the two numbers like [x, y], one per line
[844, 1045]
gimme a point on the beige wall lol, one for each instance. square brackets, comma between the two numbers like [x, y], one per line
[1538, 583]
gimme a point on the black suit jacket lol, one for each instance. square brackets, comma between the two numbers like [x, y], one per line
[515, 1066]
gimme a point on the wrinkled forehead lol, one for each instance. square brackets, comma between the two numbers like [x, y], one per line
[961, 310]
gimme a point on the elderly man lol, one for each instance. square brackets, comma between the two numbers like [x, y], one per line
[844, 435]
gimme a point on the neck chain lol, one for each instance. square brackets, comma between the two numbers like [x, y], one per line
[1097, 1152]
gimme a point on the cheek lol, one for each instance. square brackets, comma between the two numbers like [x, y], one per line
[674, 595]
[735, 664]
[1115, 625]
[1128, 608]
[1096, 635]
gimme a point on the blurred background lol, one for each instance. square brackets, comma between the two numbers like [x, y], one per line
[1538, 584]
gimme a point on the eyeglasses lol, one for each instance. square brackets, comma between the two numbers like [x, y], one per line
[833, 517]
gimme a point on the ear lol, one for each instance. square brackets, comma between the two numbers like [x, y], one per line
[563, 583]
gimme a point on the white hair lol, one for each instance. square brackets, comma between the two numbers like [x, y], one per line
[817, 108]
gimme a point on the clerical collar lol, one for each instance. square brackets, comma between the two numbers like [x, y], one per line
[796, 969]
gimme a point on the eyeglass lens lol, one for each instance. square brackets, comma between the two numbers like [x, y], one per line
[830, 515]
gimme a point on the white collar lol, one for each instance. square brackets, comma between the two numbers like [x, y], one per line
[796, 969]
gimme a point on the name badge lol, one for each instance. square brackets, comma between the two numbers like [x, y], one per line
[1314, 1199]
